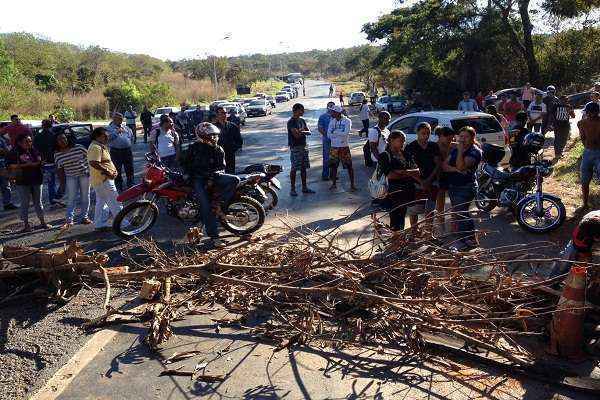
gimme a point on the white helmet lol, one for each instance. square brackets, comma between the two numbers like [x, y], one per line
[206, 129]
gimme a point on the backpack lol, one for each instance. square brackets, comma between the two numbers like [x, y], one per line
[367, 149]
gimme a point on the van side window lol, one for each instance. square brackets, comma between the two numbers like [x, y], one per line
[406, 125]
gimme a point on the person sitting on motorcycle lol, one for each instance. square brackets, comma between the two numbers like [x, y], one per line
[579, 248]
[204, 161]
[520, 156]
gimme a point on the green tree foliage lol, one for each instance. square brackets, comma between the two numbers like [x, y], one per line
[137, 94]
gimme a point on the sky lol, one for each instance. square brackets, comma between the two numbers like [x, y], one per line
[190, 29]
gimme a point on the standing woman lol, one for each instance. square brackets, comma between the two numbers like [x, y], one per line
[165, 141]
[73, 172]
[445, 143]
[25, 165]
[402, 174]
[492, 110]
[460, 167]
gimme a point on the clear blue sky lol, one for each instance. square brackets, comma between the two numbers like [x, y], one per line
[184, 29]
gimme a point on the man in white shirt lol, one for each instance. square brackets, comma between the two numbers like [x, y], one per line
[536, 112]
[338, 131]
[378, 135]
[467, 103]
[364, 114]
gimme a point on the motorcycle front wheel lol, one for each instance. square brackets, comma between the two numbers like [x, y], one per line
[552, 216]
[243, 216]
[272, 198]
[135, 219]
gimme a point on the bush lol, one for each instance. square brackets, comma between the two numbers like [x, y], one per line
[64, 113]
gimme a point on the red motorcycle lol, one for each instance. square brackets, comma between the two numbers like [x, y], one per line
[242, 215]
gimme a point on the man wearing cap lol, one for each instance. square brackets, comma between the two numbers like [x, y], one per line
[323, 125]
[467, 103]
[338, 132]
[589, 132]
[120, 139]
[549, 100]
[130, 117]
[560, 115]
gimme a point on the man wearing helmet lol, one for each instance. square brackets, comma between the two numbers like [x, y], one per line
[204, 161]
[589, 132]
[520, 155]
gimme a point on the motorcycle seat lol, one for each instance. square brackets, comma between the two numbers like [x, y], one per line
[495, 173]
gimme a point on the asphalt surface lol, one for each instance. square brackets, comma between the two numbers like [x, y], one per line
[37, 340]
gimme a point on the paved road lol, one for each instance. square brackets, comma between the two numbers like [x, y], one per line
[125, 370]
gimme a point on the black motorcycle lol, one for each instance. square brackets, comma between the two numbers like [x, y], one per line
[520, 190]
[269, 184]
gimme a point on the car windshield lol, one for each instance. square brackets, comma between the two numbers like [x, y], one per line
[481, 124]
[163, 111]
[396, 98]
[257, 103]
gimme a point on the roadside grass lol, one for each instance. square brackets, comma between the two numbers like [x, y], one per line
[270, 86]
[347, 86]
[565, 182]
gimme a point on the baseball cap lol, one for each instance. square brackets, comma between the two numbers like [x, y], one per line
[337, 109]
[551, 88]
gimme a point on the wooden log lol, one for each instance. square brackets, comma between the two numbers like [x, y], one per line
[33, 257]
[80, 267]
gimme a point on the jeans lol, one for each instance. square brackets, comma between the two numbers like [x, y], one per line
[78, 185]
[106, 200]
[590, 164]
[147, 132]
[229, 160]
[460, 199]
[5, 191]
[133, 128]
[561, 136]
[226, 185]
[123, 159]
[326, 149]
[50, 182]
[28, 193]
[365, 128]
[398, 197]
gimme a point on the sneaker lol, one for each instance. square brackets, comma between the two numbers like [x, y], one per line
[216, 243]
[308, 191]
[293, 193]
[10, 206]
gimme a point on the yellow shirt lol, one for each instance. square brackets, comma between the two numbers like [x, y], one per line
[99, 152]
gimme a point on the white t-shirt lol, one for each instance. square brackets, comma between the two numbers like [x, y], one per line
[364, 112]
[381, 141]
[166, 142]
[338, 131]
[536, 110]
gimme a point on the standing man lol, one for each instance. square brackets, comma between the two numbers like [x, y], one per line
[341, 98]
[322, 126]
[589, 132]
[378, 135]
[528, 95]
[338, 131]
[467, 103]
[297, 132]
[373, 94]
[536, 112]
[331, 90]
[364, 114]
[549, 100]
[511, 108]
[102, 179]
[560, 115]
[5, 189]
[15, 129]
[490, 99]
[146, 119]
[130, 116]
[44, 143]
[120, 139]
[230, 139]
[595, 98]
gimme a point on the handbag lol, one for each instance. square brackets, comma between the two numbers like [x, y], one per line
[378, 185]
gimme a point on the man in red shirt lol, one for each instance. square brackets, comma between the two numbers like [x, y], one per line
[15, 129]
[511, 108]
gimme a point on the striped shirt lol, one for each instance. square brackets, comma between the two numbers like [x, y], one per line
[73, 161]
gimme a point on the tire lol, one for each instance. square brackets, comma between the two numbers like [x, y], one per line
[249, 202]
[274, 196]
[130, 208]
[522, 213]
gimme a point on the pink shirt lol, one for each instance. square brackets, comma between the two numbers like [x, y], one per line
[528, 94]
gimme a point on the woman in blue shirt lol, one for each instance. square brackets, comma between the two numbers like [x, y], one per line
[460, 170]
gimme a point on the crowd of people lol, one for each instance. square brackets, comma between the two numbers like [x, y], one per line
[68, 171]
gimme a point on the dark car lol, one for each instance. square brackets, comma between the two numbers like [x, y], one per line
[79, 132]
[259, 108]
[578, 100]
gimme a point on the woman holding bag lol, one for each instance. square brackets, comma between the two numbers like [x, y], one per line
[402, 175]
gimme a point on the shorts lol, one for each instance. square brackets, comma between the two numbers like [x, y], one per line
[339, 155]
[299, 158]
[590, 164]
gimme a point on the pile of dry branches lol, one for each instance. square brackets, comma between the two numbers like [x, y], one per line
[309, 288]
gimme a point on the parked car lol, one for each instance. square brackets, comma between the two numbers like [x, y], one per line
[163, 111]
[79, 132]
[239, 111]
[282, 97]
[215, 104]
[516, 91]
[356, 98]
[487, 127]
[391, 104]
[292, 90]
[259, 107]
[260, 95]
[271, 99]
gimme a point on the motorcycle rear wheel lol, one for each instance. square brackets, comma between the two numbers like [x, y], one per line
[554, 215]
[135, 219]
[239, 211]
